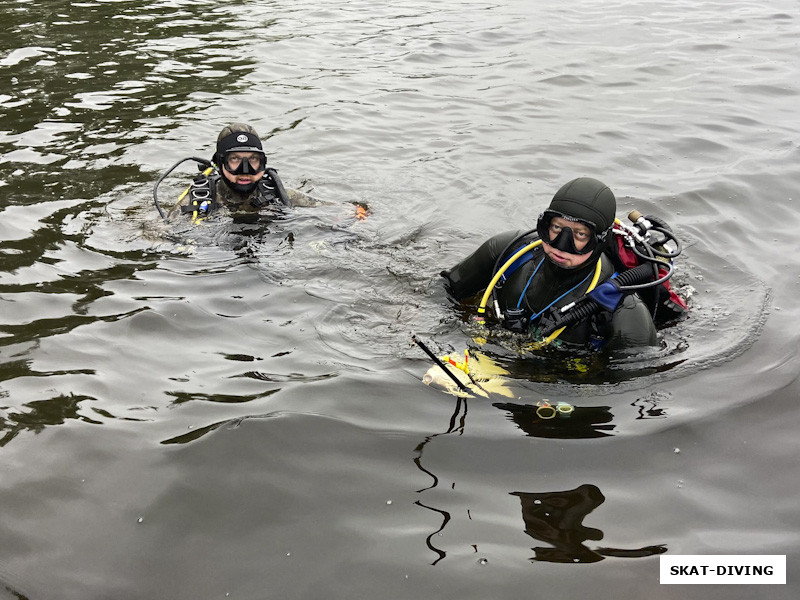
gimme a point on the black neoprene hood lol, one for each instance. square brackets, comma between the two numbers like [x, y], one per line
[240, 141]
[239, 137]
[588, 199]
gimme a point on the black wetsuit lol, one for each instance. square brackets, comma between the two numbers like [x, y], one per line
[537, 283]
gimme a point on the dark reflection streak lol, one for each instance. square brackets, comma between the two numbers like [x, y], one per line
[108, 415]
[181, 397]
[418, 462]
[17, 595]
[198, 433]
[82, 282]
[54, 411]
[648, 408]
[29, 251]
[445, 521]
[194, 435]
[450, 429]
[50, 327]
[276, 378]
[462, 421]
[21, 368]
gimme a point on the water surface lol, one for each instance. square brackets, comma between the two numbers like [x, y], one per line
[236, 410]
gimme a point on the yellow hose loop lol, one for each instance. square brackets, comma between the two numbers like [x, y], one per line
[496, 278]
[510, 261]
[596, 277]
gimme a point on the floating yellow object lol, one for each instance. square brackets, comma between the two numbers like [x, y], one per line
[481, 378]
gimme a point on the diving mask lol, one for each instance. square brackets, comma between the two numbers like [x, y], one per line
[237, 164]
[562, 236]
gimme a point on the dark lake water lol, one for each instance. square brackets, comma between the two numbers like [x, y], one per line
[236, 410]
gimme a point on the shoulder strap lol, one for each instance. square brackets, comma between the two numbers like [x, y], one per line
[270, 189]
[284, 197]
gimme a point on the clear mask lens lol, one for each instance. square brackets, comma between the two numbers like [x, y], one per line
[237, 164]
[568, 234]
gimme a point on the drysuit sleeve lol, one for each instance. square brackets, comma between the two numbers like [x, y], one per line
[297, 198]
[474, 273]
[632, 325]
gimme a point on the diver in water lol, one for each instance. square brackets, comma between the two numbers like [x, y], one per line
[237, 178]
[564, 282]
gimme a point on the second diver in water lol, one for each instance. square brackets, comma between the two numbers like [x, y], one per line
[236, 178]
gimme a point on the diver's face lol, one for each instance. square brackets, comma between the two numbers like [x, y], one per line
[580, 235]
[233, 160]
